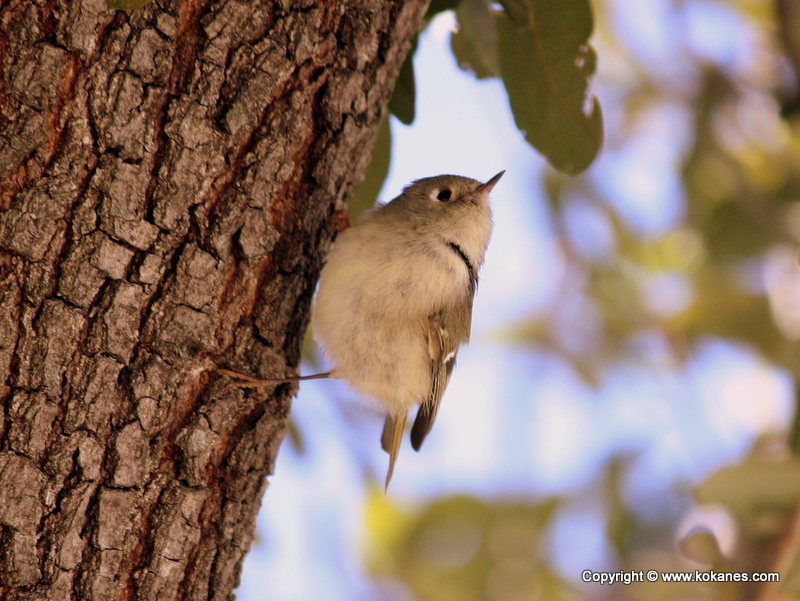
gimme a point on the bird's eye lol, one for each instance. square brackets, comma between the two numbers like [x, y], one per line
[444, 195]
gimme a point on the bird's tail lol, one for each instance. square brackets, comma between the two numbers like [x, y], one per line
[393, 429]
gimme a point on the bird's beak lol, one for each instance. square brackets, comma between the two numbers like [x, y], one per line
[487, 187]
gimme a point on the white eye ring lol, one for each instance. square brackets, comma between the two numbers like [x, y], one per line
[444, 194]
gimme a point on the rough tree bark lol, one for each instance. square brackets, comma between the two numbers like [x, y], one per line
[167, 178]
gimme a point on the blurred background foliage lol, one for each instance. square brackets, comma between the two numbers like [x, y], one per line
[727, 270]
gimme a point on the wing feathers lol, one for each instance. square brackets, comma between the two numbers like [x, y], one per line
[445, 333]
[443, 349]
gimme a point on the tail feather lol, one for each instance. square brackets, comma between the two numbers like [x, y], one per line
[393, 429]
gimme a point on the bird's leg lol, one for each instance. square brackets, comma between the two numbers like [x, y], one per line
[247, 381]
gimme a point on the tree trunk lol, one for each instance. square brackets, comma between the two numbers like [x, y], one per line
[167, 178]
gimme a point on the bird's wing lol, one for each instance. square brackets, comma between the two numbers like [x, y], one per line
[447, 331]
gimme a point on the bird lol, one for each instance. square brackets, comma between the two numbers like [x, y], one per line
[394, 302]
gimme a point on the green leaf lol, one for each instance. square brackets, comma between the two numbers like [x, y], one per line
[731, 231]
[474, 45]
[721, 307]
[126, 4]
[701, 546]
[760, 493]
[518, 11]
[295, 437]
[402, 103]
[439, 6]
[619, 523]
[367, 191]
[545, 67]
[794, 432]
[460, 547]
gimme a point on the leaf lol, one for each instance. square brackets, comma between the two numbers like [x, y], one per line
[619, 523]
[402, 102]
[518, 11]
[722, 307]
[311, 352]
[295, 437]
[474, 44]
[458, 547]
[794, 433]
[367, 191]
[731, 231]
[701, 546]
[439, 6]
[545, 67]
[386, 521]
[760, 493]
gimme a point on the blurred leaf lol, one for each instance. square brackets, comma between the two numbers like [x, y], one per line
[518, 11]
[722, 307]
[540, 333]
[474, 44]
[367, 191]
[545, 68]
[554, 184]
[402, 102]
[439, 6]
[466, 549]
[586, 366]
[794, 433]
[616, 294]
[701, 546]
[761, 494]
[385, 520]
[127, 4]
[619, 521]
[295, 437]
[311, 352]
[678, 250]
[732, 232]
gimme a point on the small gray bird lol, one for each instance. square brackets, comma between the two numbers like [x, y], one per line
[395, 298]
